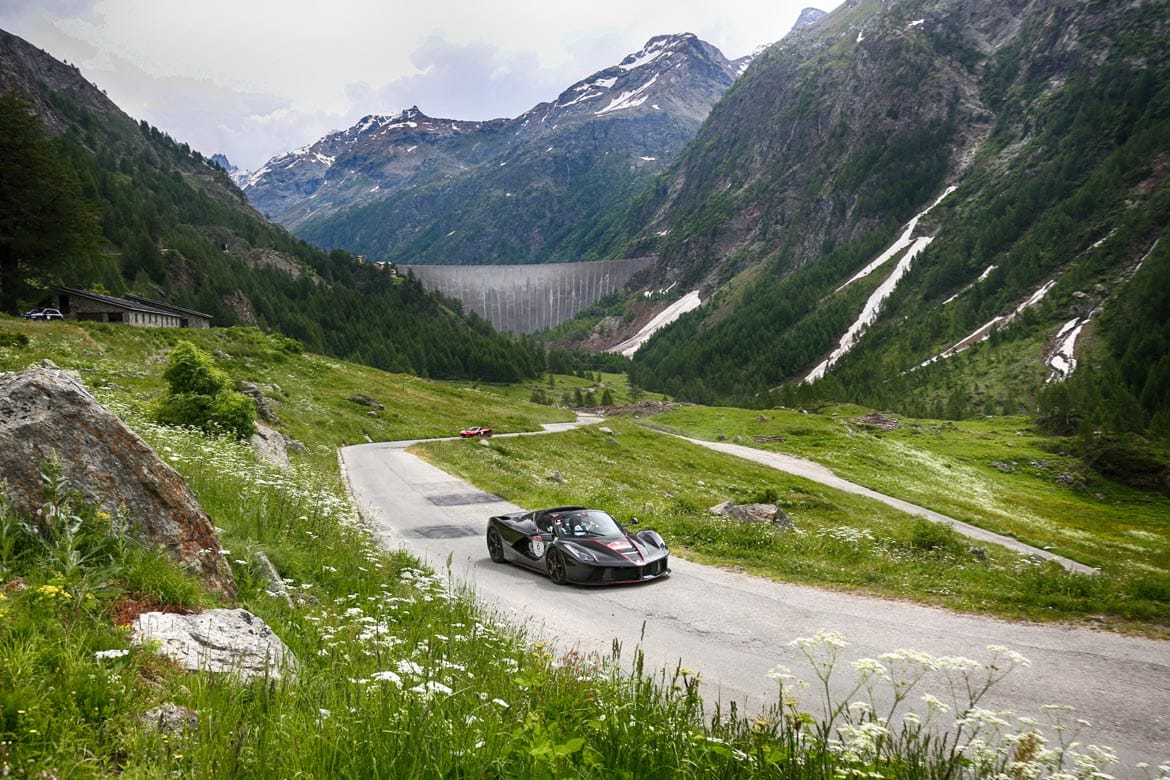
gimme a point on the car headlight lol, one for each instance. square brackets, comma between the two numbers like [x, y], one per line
[580, 553]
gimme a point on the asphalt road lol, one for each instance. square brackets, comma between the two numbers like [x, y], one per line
[733, 628]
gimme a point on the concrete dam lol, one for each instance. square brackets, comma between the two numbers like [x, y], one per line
[523, 299]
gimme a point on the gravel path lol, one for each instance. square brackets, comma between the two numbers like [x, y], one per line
[800, 467]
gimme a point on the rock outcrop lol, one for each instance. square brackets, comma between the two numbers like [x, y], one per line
[269, 445]
[46, 414]
[224, 641]
[753, 513]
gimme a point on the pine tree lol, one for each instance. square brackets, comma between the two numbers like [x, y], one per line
[44, 222]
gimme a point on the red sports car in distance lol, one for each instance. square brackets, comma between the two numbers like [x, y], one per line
[475, 430]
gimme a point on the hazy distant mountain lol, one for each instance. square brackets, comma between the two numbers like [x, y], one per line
[412, 188]
[378, 155]
[223, 162]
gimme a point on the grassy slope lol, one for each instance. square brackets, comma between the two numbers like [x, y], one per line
[1006, 480]
[995, 472]
[309, 393]
[385, 649]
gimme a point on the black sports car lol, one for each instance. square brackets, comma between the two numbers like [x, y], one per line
[577, 544]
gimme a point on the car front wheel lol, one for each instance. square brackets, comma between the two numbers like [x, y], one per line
[556, 568]
[495, 545]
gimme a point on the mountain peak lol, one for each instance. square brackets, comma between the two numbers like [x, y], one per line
[223, 162]
[657, 47]
[808, 17]
[621, 124]
[662, 71]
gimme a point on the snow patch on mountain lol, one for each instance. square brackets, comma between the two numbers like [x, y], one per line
[629, 99]
[588, 92]
[871, 309]
[986, 273]
[983, 332]
[657, 48]
[1145, 257]
[899, 244]
[688, 302]
[912, 247]
[367, 123]
[1063, 360]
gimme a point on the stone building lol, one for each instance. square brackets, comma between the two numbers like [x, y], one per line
[132, 310]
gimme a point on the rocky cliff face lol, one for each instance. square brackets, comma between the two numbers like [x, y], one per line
[35, 75]
[862, 119]
[415, 189]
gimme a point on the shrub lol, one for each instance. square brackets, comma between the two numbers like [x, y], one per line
[191, 370]
[235, 412]
[1151, 588]
[928, 535]
[18, 340]
[201, 395]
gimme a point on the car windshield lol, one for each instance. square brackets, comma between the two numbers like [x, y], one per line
[588, 523]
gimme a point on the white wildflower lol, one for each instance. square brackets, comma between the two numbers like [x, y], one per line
[870, 668]
[430, 688]
[387, 676]
[100, 654]
[833, 639]
[409, 667]
[1011, 656]
[780, 673]
[908, 657]
[934, 704]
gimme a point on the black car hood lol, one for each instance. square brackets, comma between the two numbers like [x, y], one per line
[626, 550]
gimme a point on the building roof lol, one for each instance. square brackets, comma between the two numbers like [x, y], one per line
[167, 306]
[134, 303]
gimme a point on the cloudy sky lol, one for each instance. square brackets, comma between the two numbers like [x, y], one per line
[256, 78]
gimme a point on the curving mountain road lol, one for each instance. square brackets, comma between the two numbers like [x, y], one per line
[734, 628]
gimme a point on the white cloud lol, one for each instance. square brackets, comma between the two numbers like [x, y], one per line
[254, 78]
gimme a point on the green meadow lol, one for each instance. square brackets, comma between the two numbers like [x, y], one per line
[401, 674]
